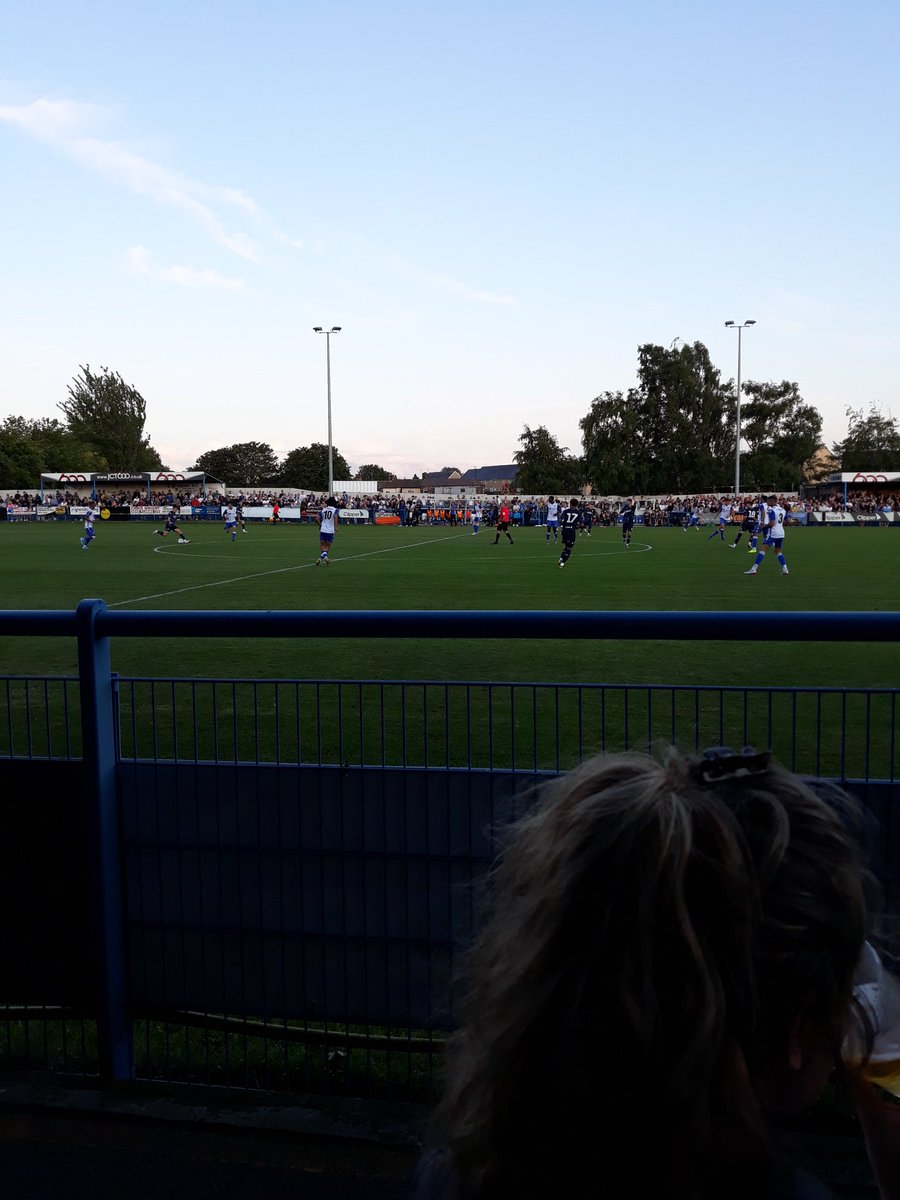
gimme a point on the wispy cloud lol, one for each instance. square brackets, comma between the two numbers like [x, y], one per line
[73, 128]
[141, 262]
[469, 293]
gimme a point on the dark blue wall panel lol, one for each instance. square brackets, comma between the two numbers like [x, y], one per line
[305, 892]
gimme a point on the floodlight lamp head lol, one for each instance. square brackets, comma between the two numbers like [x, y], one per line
[727, 323]
[317, 328]
[749, 322]
[336, 329]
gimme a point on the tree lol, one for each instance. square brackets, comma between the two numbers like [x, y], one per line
[245, 463]
[20, 457]
[782, 434]
[28, 448]
[674, 432]
[307, 467]
[372, 473]
[108, 414]
[872, 442]
[61, 449]
[545, 467]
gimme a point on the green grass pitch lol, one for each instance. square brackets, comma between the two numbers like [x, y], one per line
[388, 567]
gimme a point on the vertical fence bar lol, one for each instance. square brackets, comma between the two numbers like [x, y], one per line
[99, 755]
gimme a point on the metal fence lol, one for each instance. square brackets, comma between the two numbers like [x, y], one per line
[265, 884]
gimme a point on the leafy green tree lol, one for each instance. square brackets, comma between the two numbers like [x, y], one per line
[545, 467]
[307, 467]
[616, 461]
[106, 413]
[872, 442]
[372, 473]
[30, 447]
[20, 455]
[782, 434]
[674, 432]
[61, 449]
[250, 463]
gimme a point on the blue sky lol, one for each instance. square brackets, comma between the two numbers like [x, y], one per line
[497, 202]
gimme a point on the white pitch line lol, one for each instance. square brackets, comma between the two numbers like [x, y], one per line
[636, 548]
[196, 587]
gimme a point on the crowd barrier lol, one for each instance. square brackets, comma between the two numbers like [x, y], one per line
[264, 884]
[158, 513]
[385, 516]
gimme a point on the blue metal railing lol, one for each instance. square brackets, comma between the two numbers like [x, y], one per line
[92, 620]
[188, 794]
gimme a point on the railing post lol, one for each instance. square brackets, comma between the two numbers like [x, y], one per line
[99, 754]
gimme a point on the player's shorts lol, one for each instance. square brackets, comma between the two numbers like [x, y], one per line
[230, 525]
[627, 525]
[552, 524]
[694, 521]
[503, 526]
[777, 543]
[724, 520]
[748, 525]
[568, 537]
[326, 537]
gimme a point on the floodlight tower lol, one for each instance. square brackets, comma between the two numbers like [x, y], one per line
[328, 333]
[737, 435]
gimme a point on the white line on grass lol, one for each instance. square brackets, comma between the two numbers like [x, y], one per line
[634, 548]
[196, 587]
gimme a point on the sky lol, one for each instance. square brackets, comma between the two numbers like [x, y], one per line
[498, 203]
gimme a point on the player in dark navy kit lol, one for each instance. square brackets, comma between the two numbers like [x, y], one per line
[626, 515]
[173, 527]
[569, 524]
[749, 524]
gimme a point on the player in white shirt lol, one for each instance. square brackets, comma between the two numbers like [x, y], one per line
[725, 510]
[692, 519]
[89, 518]
[230, 517]
[552, 519]
[773, 536]
[476, 518]
[328, 519]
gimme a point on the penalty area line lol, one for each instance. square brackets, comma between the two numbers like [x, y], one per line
[197, 587]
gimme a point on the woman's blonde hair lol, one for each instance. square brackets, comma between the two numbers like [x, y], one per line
[657, 930]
